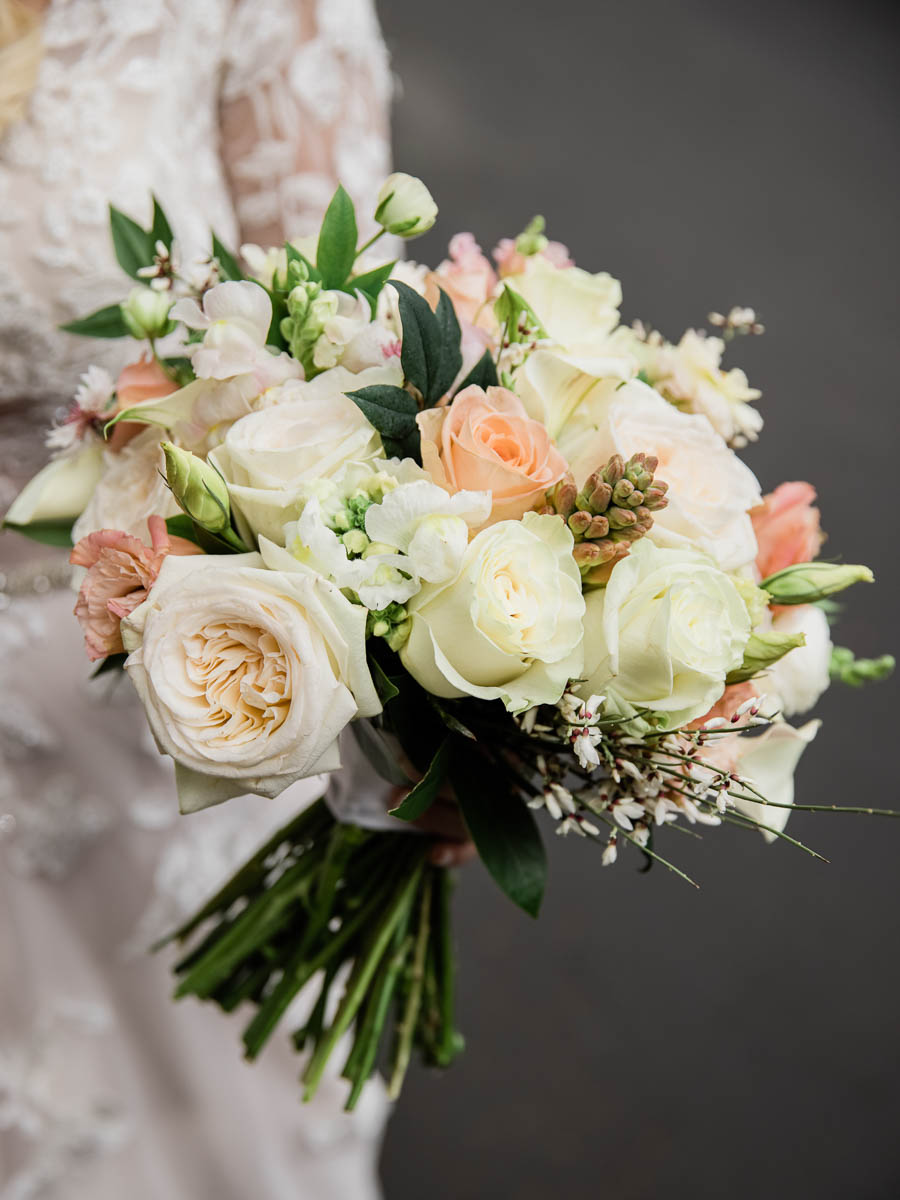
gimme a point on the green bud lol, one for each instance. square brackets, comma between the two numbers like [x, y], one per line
[399, 635]
[405, 207]
[762, 651]
[805, 583]
[531, 240]
[355, 541]
[856, 672]
[512, 312]
[146, 313]
[199, 489]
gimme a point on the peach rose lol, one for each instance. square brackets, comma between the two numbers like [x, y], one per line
[468, 279]
[485, 441]
[787, 528]
[139, 381]
[120, 572]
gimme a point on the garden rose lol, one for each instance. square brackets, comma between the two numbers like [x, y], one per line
[787, 528]
[663, 634]
[269, 458]
[508, 626]
[485, 441]
[121, 569]
[248, 666]
[578, 310]
[131, 489]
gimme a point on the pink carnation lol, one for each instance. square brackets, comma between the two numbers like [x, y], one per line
[787, 528]
[468, 279]
[120, 572]
[510, 262]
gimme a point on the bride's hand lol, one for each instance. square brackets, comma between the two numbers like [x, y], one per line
[452, 845]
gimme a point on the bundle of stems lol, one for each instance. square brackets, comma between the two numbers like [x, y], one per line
[362, 912]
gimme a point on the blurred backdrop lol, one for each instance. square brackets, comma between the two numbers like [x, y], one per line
[643, 1039]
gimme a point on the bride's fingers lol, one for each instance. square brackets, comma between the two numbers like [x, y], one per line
[451, 854]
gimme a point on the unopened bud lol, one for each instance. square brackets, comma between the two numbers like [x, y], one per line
[620, 518]
[146, 313]
[600, 496]
[587, 553]
[598, 528]
[562, 496]
[198, 488]
[579, 522]
[355, 541]
[405, 206]
[805, 583]
[762, 651]
[622, 491]
[614, 470]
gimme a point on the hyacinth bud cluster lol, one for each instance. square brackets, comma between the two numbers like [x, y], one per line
[614, 509]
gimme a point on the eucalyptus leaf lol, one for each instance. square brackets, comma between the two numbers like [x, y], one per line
[134, 246]
[336, 249]
[104, 323]
[503, 828]
[424, 794]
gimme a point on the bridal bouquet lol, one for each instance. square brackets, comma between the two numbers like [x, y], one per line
[468, 511]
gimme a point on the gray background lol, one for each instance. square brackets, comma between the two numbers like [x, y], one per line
[643, 1039]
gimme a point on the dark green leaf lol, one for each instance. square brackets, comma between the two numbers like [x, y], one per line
[483, 374]
[181, 525]
[112, 662]
[336, 251]
[450, 720]
[424, 794]
[104, 323]
[421, 338]
[449, 361]
[503, 828]
[48, 533]
[384, 685]
[133, 245]
[161, 230]
[379, 753]
[228, 264]
[390, 409]
[371, 283]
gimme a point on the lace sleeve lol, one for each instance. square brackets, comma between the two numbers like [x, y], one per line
[304, 103]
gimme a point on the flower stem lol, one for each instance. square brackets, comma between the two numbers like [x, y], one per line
[407, 1027]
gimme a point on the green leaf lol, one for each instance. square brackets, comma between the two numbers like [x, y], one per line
[384, 685]
[182, 526]
[48, 533]
[390, 409]
[450, 720]
[449, 361]
[421, 339]
[336, 250]
[424, 794]
[104, 323]
[483, 374]
[133, 245]
[228, 264]
[503, 828]
[161, 230]
[112, 662]
[379, 753]
[371, 283]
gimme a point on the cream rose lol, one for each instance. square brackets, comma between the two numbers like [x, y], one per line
[509, 626]
[663, 634]
[710, 490]
[270, 457]
[578, 310]
[485, 441]
[131, 489]
[248, 666]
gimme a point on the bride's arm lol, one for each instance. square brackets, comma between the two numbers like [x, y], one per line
[304, 105]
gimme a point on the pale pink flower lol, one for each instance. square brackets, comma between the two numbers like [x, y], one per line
[787, 528]
[468, 279]
[120, 572]
[511, 262]
[729, 702]
[139, 381]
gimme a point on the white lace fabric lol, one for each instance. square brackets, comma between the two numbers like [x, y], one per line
[241, 115]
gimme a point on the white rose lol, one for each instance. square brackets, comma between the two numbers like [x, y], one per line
[271, 457]
[769, 762]
[131, 489]
[578, 310]
[690, 375]
[247, 674]
[710, 489]
[61, 490]
[663, 634]
[405, 207]
[509, 625]
[795, 683]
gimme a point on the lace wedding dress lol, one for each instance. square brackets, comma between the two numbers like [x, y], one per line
[240, 114]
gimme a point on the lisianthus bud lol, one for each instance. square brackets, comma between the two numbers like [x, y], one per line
[854, 671]
[405, 206]
[762, 651]
[805, 583]
[199, 489]
[146, 313]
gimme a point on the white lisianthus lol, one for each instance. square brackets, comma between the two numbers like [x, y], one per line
[235, 318]
[271, 458]
[796, 682]
[769, 762]
[405, 207]
[146, 313]
[509, 625]
[248, 667]
[62, 489]
[199, 415]
[691, 376]
[415, 531]
[710, 490]
[131, 488]
[558, 389]
[663, 634]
